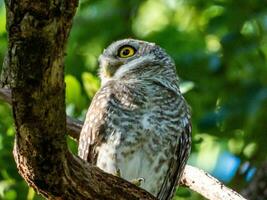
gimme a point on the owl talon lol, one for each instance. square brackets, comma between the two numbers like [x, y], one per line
[137, 181]
[117, 173]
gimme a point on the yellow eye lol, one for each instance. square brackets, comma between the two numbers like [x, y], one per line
[126, 51]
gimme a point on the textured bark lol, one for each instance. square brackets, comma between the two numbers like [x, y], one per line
[74, 126]
[37, 33]
[5, 95]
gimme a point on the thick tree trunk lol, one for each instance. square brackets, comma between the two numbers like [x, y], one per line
[37, 33]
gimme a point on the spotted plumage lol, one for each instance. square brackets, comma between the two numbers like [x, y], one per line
[138, 122]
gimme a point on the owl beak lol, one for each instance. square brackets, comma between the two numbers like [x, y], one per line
[109, 66]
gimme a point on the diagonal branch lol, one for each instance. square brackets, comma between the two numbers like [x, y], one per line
[206, 185]
[74, 127]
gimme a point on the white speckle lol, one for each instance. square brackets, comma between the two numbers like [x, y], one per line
[185, 121]
[97, 103]
[106, 155]
[145, 121]
[103, 104]
[127, 103]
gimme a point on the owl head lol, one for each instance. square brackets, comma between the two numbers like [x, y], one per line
[135, 59]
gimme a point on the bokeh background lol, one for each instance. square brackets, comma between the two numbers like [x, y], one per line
[220, 50]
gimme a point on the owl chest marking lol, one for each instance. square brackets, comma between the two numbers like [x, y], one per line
[139, 137]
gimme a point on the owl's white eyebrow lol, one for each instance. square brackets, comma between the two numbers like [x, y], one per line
[131, 65]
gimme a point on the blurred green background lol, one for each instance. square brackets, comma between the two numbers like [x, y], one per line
[220, 50]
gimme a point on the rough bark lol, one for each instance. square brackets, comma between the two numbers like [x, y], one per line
[37, 33]
[5, 95]
[74, 126]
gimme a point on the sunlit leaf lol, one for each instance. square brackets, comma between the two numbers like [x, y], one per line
[2, 19]
[152, 16]
[4, 186]
[186, 86]
[91, 84]
[11, 195]
[73, 90]
[250, 149]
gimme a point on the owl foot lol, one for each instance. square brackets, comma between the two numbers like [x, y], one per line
[117, 173]
[137, 181]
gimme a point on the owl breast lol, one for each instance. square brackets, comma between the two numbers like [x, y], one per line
[144, 124]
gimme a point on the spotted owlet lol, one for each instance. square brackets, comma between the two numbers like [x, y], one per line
[138, 122]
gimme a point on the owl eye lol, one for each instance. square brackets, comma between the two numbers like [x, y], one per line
[126, 51]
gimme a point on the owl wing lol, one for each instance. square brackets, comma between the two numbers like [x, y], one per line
[177, 164]
[98, 123]
[94, 129]
[182, 151]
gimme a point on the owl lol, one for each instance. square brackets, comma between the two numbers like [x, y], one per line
[138, 123]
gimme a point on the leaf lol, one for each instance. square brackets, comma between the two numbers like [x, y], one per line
[186, 86]
[4, 186]
[73, 90]
[91, 84]
[183, 192]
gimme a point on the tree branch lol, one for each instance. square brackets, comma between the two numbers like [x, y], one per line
[193, 178]
[37, 33]
[206, 185]
[74, 128]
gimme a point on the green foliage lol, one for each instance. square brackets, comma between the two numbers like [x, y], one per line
[91, 84]
[220, 50]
